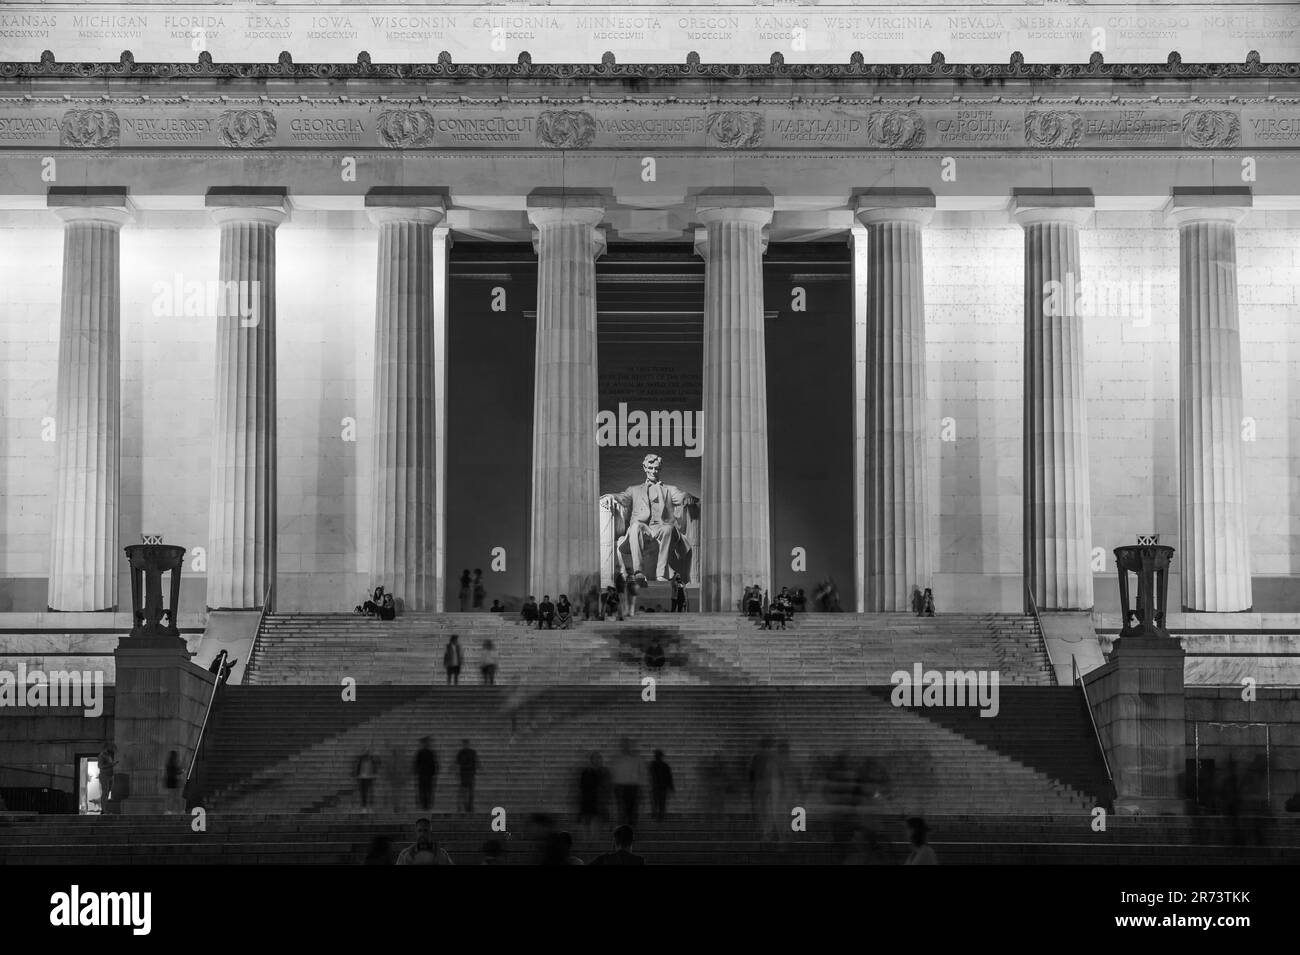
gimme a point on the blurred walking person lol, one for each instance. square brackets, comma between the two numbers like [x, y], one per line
[396, 777]
[918, 838]
[626, 773]
[426, 773]
[593, 794]
[661, 784]
[465, 590]
[452, 659]
[468, 764]
[367, 770]
[489, 666]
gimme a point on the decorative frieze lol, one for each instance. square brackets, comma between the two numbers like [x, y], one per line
[614, 123]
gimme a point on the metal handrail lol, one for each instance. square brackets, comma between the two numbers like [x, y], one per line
[257, 634]
[212, 699]
[1087, 704]
[1042, 637]
[207, 714]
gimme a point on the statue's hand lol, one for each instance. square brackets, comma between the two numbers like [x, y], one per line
[690, 500]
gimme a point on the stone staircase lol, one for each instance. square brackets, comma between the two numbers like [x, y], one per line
[533, 746]
[817, 649]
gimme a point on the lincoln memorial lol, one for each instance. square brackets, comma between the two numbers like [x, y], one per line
[335, 297]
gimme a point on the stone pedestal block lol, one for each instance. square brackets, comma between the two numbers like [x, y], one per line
[160, 699]
[1137, 701]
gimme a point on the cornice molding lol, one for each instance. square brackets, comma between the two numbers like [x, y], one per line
[608, 69]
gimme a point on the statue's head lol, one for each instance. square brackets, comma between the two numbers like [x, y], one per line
[651, 464]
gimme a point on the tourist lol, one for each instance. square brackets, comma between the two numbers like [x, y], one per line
[626, 774]
[622, 854]
[479, 591]
[661, 784]
[546, 613]
[380, 852]
[395, 776]
[620, 588]
[593, 793]
[426, 773]
[465, 589]
[922, 853]
[929, 603]
[592, 601]
[107, 760]
[227, 667]
[497, 606]
[529, 611]
[613, 606]
[373, 606]
[425, 850]
[564, 612]
[679, 594]
[760, 784]
[654, 655]
[388, 607]
[918, 600]
[564, 849]
[633, 585]
[833, 595]
[451, 660]
[784, 607]
[468, 763]
[172, 771]
[366, 771]
[489, 666]
[800, 601]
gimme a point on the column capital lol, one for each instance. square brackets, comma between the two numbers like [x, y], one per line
[570, 208]
[427, 215]
[1037, 206]
[400, 204]
[875, 215]
[702, 240]
[1196, 204]
[268, 204]
[873, 206]
[107, 204]
[755, 207]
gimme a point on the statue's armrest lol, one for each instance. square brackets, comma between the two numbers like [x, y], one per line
[688, 522]
[613, 504]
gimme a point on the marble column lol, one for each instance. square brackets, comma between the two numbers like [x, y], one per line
[565, 542]
[736, 535]
[1214, 552]
[242, 493]
[84, 558]
[403, 509]
[1057, 505]
[897, 548]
